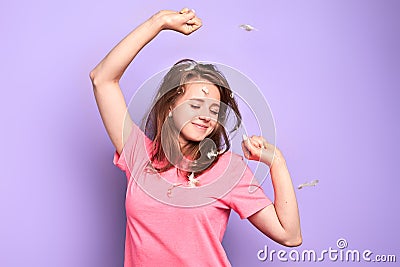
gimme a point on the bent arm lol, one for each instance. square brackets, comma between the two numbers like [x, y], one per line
[106, 75]
[280, 221]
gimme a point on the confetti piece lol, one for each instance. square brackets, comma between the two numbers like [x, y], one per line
[212, 154]
[247, 27]
[205, 90]
[169, 191]
[312, 183]
[193, 182]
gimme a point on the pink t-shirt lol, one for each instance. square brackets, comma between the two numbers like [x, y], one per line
[171, 224]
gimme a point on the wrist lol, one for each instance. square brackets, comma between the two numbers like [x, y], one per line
[273, 159]
[158, 21]
[278, 161]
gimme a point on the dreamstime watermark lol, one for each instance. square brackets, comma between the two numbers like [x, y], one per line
[342, 254]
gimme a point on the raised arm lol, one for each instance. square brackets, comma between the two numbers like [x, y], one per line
[281, 221]
[107, 74]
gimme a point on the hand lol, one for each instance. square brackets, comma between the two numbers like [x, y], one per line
[257, 148]
[184, 21]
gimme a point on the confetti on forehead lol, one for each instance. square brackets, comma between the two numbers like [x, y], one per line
[205, 90]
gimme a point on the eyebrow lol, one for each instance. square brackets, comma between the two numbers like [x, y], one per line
[202, 101]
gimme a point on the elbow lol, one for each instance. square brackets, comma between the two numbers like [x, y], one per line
[92, 75]
[294, 241]
[94, 78]
[99, 80]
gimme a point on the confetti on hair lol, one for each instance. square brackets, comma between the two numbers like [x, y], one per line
[247, 27]
[191, 67]
[312, 183]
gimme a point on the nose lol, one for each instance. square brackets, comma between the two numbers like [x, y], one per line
[205, 118]
[204, 114]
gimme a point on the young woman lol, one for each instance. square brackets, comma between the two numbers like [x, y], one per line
[182, 179]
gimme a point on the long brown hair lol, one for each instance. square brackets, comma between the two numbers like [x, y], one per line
[165, 149]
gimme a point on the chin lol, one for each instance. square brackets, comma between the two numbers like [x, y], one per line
[197, 139]
[194, 138]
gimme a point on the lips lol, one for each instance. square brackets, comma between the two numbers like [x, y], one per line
[200, 126]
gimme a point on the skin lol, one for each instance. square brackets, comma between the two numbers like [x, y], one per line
[196, 112]
[279, 221]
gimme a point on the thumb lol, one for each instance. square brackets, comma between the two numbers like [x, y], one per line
[247, 143]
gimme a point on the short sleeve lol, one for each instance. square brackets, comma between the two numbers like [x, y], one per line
[119, 161]
[248, 197]
[134, 151]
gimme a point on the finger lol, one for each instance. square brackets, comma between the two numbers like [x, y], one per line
[260, 141]
[250, 145]
[194, 21]
[189, 22]
[193, 27]
[189, 15]
[266, 144]
[184, 10]
[255, 142]
[246, 141]
[246, 152]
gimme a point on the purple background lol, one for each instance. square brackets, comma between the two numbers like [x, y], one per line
[329, 70]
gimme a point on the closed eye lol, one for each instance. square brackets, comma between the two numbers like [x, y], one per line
[195, 106]
[214, 112]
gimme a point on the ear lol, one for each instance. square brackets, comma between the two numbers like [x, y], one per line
[170, 112]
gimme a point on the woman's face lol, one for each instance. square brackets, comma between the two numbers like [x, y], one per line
[195, 114]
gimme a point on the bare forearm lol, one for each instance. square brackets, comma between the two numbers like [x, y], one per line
[112, 67]
[106, 75]
[285, 198]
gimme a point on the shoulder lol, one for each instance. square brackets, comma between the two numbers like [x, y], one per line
[231, 157]
[231, 163]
